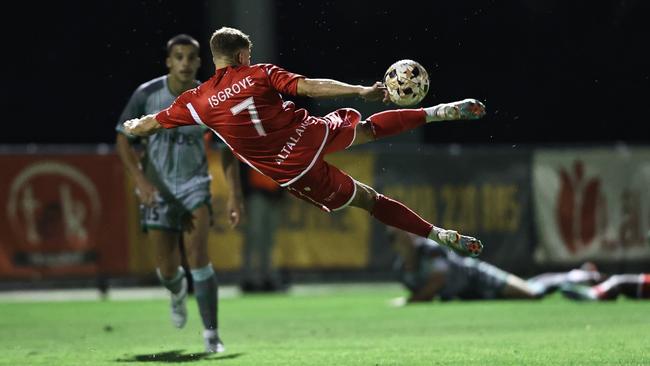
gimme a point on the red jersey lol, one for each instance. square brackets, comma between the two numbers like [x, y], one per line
[243, 106]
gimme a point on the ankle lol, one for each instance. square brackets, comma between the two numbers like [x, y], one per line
[433, 235]
[210, 333]
[442, 236]
[440, 112]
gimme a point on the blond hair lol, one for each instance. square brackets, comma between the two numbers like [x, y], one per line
[226, 42]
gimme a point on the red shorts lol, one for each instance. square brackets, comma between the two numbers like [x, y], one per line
[325, 185]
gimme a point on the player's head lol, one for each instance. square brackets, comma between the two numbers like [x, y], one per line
[183, 58]
[230, 46]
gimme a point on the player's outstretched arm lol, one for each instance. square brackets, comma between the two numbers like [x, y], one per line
[143, 126]
[328, 88]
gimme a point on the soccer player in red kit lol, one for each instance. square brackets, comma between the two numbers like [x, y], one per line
[242, 104]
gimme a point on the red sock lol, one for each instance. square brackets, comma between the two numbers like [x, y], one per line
[394, 213]
[644, 287]
[389, 123]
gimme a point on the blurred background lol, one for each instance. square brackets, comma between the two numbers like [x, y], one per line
[556, 174]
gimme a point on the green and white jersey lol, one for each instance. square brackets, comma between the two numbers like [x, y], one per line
[465, 278]
[175, 160]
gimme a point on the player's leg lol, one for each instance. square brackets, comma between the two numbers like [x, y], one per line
[636, 286]
[396, 214]
[393, 122]
[170, 273]
[491, 282]
[330, 189]
[205, 280]
[164, 236]
[517, 288]
[167, 253]
[547, 283]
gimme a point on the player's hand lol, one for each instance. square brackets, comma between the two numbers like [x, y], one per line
[130, 126]
[143, 126]
[235, 206]
[146, 192]
[374, 93]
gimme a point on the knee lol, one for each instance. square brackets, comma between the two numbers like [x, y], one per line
[196, 254]
[372, 195]
[365, 198]
[365, 133]
[168, 269]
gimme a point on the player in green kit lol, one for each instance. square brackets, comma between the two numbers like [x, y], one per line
[173, 186]
[431, 271]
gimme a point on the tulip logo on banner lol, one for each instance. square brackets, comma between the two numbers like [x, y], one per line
[53, 209]
[580, 211]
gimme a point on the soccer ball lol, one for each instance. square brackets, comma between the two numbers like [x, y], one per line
[407, 82]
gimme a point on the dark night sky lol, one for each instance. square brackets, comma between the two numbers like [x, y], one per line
[549, 71]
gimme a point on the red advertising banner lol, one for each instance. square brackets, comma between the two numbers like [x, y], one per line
[62, 215]
[592, 204]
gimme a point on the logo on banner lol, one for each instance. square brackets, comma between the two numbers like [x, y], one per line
[53, 208]
[580, 211]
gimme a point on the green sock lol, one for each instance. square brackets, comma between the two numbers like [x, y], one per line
[173, 284]
[207, 296]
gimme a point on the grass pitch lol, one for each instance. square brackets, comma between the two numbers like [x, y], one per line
[341, 325]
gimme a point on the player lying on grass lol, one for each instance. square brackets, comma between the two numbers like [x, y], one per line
[430, 271]
[242, 104]
[633, 286]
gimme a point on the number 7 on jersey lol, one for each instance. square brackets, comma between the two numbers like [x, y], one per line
[249, 104]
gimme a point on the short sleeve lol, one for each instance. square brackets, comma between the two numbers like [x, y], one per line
[133, 109]
[180, 113]
[282, 80]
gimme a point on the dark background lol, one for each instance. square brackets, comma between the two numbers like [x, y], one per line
[548, 71]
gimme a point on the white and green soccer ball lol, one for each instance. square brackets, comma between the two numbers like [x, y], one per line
[407, 82]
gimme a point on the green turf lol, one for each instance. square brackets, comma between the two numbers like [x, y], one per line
[348, 327]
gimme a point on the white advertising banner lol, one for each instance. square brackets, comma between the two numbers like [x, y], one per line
[592, 204]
